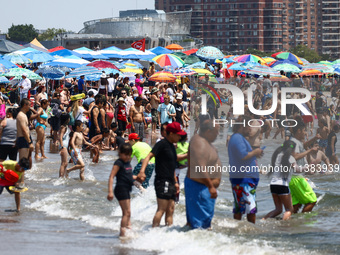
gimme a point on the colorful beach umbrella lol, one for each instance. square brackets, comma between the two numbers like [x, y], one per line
[209, 53]
[310, 72]
[262, 70]
[132, 70]
[169, 60]
[268, 59]
[18, 72]
[162, 76]
[288, 68]
[327, 63]
[281, 78]
[184, 72]
[320, 67]
[249, 58]
[189, 52]
[203, 72]
[287, 55]
[174, 46]
[101, 64]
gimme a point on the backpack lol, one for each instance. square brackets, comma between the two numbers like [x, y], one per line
[72, 119]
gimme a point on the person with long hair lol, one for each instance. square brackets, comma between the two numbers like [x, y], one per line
[40, 129]
[282, 165]
[77, 110]
[63, 142]
[331, 148]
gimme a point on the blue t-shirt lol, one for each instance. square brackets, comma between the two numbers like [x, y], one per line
[164, 109]
[80, 84]
[241, 171]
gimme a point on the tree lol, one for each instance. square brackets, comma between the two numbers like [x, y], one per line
[22, 33]
[304, 52]
[256, 52]
[50, 33]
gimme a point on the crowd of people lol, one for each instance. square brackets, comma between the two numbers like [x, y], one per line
[116, 114]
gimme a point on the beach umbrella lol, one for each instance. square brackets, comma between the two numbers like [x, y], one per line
[327, 63]
[174, 46]
[281, 78]
[249, 58]
[26, 50]
[243, 66]
[84, 70]
[268, 59]
[64, 53]
[181, 55]
[133, 62]
[283, 61]
[162, 76]
[184, 72]
[192, 59]
[336, 62]
[202, 71]
[320, 67]
[160, 50]
[51, 72]
[310, 72]
[146, 64]
[304, 61]
[100, 64]
[117, 64]
[3, 69]
[211, 79]
[7, 64]
[189, 52]
[262, 70]
[287, 55]
[3, 79]
[17, 58]
[39, 56]
[200, 65]
[132, 53]
[209, 53]
[228, 60]
[111, 70]
[17, 73]
[289, 68]
[132, 70]
[169, 60]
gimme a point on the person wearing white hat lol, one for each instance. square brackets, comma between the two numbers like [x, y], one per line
[103, 85]
[24, 85]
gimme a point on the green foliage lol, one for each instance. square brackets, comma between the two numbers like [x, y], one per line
[22, 33]
[50, 33]
[256, 52]
[304, 52]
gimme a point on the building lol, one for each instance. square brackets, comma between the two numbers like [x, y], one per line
[156, 26]
[267, 25]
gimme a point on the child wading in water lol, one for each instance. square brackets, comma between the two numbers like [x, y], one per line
[75, 144]
[123, 171]
[283, 163]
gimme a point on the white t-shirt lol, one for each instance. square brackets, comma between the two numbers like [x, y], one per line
[111, 85]
[299, 149]
[279, 176]
[79, 114]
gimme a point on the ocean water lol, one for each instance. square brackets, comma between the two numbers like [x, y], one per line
[67, 215]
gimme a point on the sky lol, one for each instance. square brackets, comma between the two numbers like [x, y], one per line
[67, 14]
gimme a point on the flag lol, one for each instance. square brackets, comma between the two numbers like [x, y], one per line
[139, 45]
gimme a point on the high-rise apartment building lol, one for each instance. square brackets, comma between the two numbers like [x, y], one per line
[266, 25]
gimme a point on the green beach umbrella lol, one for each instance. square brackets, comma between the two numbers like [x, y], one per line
[287, 68]
[17, 73]
[183, 56]
[189, 60]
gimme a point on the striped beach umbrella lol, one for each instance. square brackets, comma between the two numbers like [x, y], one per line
[184, 72]
[162, 76]
[249, 58]
[287, 55]
[169, 60]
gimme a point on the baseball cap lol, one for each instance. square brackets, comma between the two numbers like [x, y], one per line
[121, 99]
[179, 96]
[175, 128]
[134, 136]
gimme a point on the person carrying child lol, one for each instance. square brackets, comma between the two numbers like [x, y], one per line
[122, 170]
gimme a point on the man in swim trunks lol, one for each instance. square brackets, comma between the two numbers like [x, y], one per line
[200, 187]
[138, 123]
[244, 173]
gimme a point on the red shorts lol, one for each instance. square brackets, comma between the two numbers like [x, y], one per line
[307, 118]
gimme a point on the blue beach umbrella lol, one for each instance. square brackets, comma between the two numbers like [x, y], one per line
[3, 80]
[39, 57]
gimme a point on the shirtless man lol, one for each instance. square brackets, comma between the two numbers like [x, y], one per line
[138, 123]
[154, 101]
[76, 144]
[24, 142]
[200, 186]
[255, 135]
[315, 159]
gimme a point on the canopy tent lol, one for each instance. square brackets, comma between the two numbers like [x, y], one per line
[8, 46]
[56, 48]
[111, 52]
[37, 43]
[89, 54]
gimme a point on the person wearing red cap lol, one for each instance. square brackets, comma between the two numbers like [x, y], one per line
[165, 185]
[141, 150]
